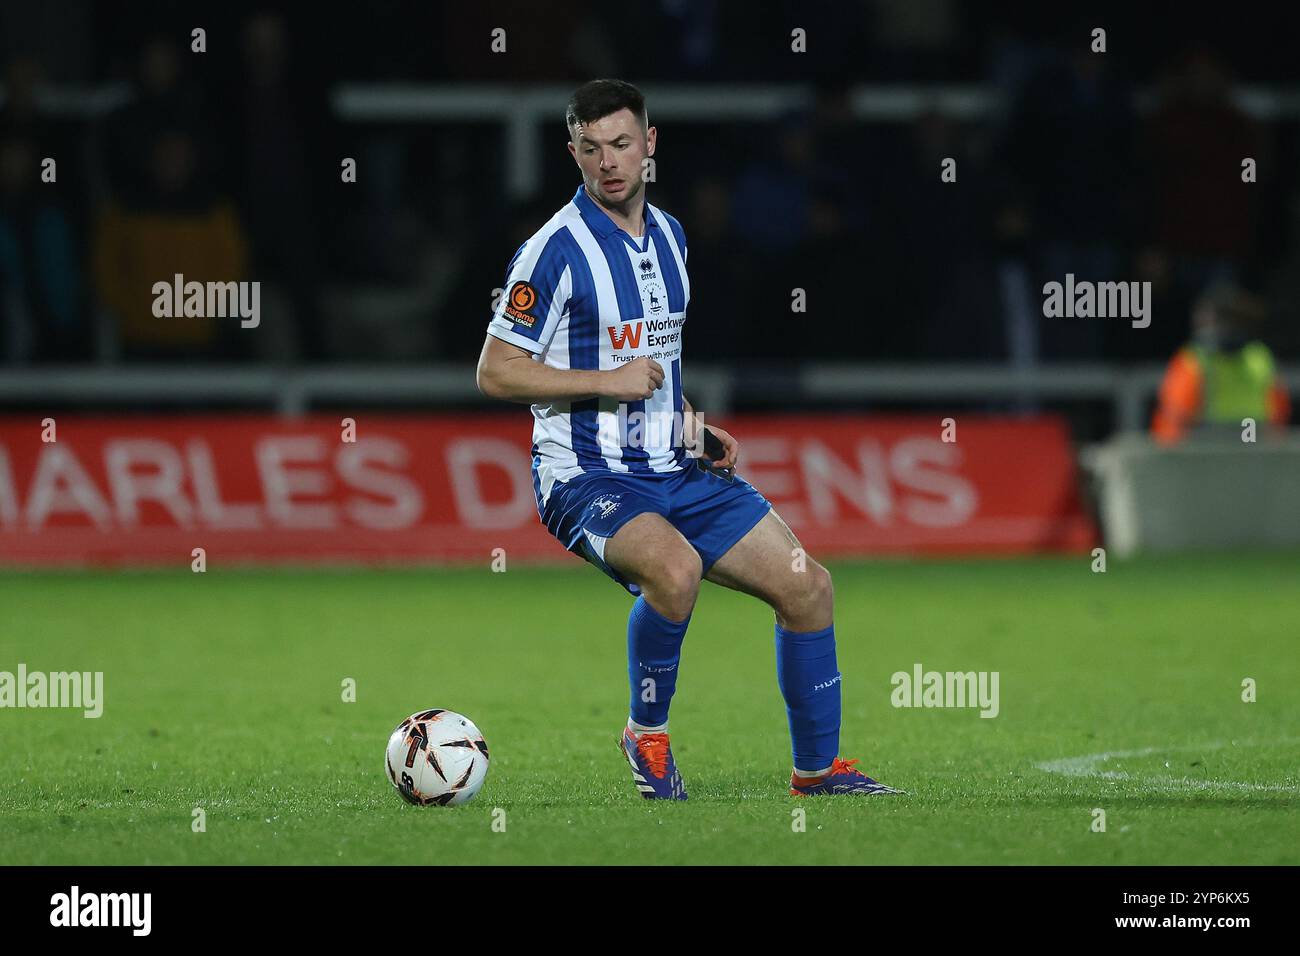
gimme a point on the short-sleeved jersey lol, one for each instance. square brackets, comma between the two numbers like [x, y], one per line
[583, 294]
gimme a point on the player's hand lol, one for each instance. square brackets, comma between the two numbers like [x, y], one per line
[729, 444]
[635, 380]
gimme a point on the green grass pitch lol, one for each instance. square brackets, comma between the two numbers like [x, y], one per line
[223, 691]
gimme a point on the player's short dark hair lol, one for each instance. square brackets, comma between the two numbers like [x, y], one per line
[600, 98]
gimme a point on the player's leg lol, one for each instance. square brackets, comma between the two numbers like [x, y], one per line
[651, 553]
[616, 522]
[770, 564]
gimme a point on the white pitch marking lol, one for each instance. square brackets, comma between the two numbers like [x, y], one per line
[1086, 766]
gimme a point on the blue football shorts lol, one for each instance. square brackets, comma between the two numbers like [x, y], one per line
[711, 512]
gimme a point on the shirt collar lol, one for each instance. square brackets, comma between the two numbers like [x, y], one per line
[599, 222]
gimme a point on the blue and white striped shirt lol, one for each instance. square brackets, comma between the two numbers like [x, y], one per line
[583, 294]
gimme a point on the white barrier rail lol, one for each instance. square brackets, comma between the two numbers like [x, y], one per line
[715, 389]
[426, 102]
[524, 111]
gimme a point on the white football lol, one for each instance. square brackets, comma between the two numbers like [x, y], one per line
[436, 758]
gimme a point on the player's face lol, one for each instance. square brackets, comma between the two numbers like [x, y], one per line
[611, 153]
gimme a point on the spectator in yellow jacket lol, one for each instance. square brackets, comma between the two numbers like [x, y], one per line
[1222, 376]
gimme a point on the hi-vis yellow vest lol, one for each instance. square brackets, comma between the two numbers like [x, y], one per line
[1235, 385]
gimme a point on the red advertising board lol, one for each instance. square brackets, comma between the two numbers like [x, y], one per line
[148, 490]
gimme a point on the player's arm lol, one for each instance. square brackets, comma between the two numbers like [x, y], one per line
[512, 374]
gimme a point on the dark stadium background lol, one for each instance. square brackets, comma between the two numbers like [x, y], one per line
[1085, 160]
[978, 477]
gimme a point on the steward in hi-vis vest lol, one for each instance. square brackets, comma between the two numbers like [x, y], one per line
[1220, 378]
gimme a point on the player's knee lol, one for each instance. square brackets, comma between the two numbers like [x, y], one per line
[676, 584]
[810, 597]
[821, 591]
[684, 576]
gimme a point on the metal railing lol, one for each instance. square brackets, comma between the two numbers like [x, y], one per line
[524, 111]
[717, 389]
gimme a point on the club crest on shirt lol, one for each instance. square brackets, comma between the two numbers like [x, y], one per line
[522, 297]
[654, 297]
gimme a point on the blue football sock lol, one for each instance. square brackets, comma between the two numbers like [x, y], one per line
[654, 649]
[810, 683]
